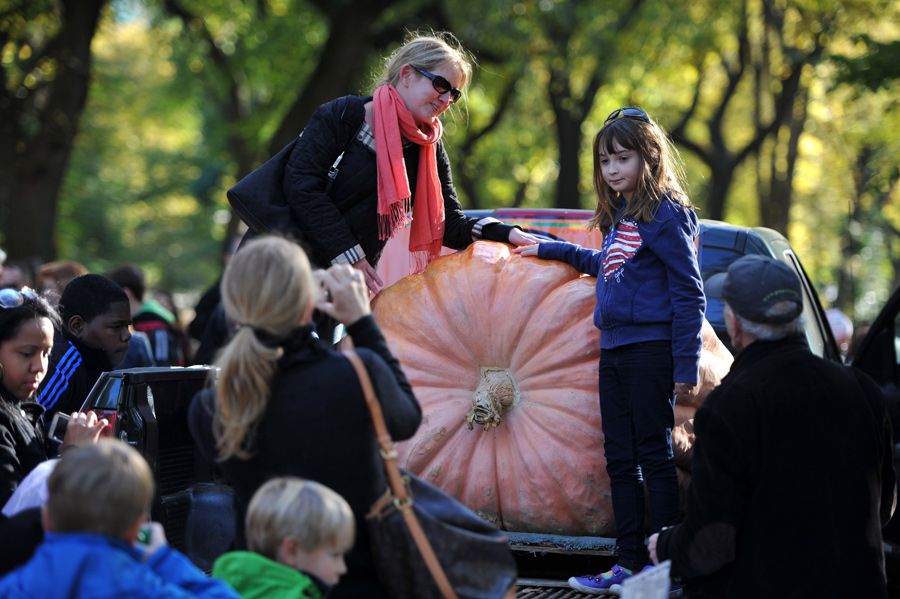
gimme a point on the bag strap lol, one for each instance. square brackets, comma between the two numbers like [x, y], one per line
[402, 500]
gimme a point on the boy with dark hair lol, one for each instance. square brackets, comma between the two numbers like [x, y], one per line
[94, 339]
[151, 317]
[98, 502]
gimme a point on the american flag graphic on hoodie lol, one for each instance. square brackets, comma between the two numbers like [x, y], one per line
[621, 247]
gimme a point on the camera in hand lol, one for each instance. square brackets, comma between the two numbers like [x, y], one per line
[58, 426]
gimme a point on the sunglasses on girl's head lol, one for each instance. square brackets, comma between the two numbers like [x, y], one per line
[440, 85]
[627, 113]
[11, 298]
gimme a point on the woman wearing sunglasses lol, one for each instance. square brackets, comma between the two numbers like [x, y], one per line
[27, 324]
[394, 171]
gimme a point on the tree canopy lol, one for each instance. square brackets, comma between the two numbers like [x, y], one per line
[124, 121]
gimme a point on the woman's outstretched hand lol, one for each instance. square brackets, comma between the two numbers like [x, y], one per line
[345, 295]
[521, 238]
[373, 281]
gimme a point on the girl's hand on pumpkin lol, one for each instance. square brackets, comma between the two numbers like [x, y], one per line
[527, 250]
[521, 238]
[373, 281]
[346, 297]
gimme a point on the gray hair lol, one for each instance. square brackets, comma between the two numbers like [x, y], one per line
[771, 332]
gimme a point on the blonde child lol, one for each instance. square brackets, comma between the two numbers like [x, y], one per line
[298, 532]
[650, 308]
[98, 503]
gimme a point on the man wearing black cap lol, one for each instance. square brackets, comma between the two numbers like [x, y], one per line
[792, 473]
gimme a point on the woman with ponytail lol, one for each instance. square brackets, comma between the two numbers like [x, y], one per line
[285, 404]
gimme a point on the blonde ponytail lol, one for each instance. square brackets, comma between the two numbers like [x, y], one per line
[267, 288]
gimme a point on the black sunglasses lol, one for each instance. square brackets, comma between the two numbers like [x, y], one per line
[12, 298]
[440, 85]
[630, 112]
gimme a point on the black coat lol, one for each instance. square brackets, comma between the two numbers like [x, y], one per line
[792, 482]
[22, 443]
[330, 223]
[317, 426]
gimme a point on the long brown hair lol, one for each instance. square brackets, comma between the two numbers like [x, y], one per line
[267, 288]
[662, 172]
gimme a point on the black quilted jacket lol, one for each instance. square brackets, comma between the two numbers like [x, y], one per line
[331, 223]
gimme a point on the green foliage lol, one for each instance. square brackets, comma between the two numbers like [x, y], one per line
[877, 68]
[174, 94]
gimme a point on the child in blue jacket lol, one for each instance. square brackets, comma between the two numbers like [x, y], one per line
[650, 308]
[99, 499]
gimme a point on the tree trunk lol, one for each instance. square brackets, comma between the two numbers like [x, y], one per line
[775, 208]
[344, 58]
[569, 136]
[30, 183]
[720, 179]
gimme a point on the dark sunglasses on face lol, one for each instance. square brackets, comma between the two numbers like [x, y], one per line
[630, 112]
[440, 85]
[11, 298]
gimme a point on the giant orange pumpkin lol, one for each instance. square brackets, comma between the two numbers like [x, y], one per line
[502, 353]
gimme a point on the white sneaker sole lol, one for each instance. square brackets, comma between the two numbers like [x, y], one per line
[573, 582]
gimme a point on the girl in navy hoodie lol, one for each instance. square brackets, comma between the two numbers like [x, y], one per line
[650, 308]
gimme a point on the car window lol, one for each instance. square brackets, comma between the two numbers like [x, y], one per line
[108, 397]
[714, 260]
[815, 334]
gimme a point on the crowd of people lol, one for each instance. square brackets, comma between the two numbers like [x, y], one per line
[287, 426]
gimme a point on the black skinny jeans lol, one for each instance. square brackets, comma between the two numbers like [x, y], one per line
[637, 411]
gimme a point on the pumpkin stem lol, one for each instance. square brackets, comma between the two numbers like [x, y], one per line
[495, 395]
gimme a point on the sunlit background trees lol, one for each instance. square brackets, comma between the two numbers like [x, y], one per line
[123, 122]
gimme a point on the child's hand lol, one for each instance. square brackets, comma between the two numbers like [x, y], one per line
[151, 539]
[527, 250]
[520, 237]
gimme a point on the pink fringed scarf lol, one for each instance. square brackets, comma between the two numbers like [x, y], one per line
[392, 120]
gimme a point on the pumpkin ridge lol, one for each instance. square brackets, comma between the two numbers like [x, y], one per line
[562, 507]
[573, 510]
[518, 261]
[446, 376]
[545, 383]
[558, 368]
[564, 433]
[483, 444]
[395, 324]
[530, 356]
[556, 418]
[435, 290]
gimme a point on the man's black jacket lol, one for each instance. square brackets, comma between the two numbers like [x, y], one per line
[792, 482]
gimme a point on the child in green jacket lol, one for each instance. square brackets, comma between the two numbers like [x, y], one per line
[298, 532]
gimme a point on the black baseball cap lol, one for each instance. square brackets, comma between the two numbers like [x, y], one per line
[754, 284]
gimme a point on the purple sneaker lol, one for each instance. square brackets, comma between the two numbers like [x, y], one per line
[601, 583]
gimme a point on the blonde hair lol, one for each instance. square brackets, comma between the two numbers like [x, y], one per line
[102, 488]
[428, 52]
[266, 289]
[662, 172]
[304, 510]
